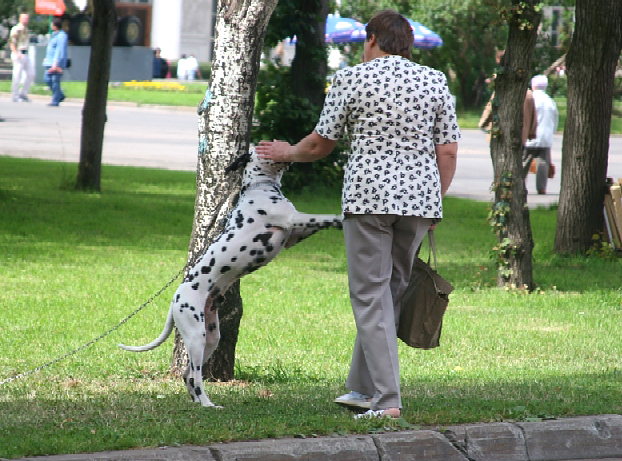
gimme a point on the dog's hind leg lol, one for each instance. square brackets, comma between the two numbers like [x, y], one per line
[195, 340]
[212, 332]
[194, 374]
[200, 347]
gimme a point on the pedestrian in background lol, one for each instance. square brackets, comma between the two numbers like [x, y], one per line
[55, 61]
[160, 66]
[402, 122]
[192, 68]
[182, 68]
[528, 129]
[23, 69]
[539, 148]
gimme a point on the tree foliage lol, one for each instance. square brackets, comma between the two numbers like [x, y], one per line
[9, 12]
[471, 31]
[10, 9]
[289, 99]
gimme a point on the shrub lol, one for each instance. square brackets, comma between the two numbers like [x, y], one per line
[280, 114]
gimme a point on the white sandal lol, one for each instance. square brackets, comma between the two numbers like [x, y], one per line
[371, 414]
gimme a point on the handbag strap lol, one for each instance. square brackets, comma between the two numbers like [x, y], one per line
[432, 248]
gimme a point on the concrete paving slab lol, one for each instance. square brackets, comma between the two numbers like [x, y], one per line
[416, 446]
[585, 438]
[498, 441]
[574, 438]
[156, 454]
[358, 448]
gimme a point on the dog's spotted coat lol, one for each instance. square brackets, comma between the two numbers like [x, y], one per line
[259, 227]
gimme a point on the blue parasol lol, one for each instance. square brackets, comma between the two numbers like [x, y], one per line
[348, 30]
[343, 30]
[424, 37]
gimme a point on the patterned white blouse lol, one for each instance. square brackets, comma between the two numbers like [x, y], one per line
[395, 111]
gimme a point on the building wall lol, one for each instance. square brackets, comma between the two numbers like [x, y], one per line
[166, 27]
[127, 63]
[183, 27]
[197, 29]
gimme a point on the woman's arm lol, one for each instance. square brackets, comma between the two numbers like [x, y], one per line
[310, 148]
[446, 156]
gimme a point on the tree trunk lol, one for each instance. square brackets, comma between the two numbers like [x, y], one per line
[309, 67]
[224, 132]
[510, 216]
[590, 65]
[94, 111]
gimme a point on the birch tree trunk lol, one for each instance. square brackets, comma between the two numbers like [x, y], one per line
[590, 64]
[224, 132]
[510, 215]
[95, 101]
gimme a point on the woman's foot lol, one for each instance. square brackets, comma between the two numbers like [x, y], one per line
[354, 399]
[387, 413]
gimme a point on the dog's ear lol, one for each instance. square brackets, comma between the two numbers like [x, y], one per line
[240, 161]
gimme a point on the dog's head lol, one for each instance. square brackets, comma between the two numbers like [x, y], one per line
[256, 169]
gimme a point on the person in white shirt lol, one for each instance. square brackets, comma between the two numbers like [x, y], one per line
[539, 148]
[182, 68]
[192, 68]
[23, 69]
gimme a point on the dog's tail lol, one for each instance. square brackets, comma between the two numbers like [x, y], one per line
[168, 327]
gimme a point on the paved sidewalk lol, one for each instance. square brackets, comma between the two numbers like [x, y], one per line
[167, 137]
[584, 438]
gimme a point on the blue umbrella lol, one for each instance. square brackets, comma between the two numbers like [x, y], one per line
[348, 30]
[424, 37]
[343, 30]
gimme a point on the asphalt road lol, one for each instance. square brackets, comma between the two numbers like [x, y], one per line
[162, 137]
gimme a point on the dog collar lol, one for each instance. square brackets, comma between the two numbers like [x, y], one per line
[262, 184]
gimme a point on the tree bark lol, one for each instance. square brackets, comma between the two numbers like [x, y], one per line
[510, 216]
[309, 66]
[94, 110]
[224, 132]
[590, 65]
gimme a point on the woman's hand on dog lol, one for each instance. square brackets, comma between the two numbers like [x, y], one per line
[277, 151]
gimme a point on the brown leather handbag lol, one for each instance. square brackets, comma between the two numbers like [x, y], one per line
[423, 304]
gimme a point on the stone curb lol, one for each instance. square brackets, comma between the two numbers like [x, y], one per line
[581, 438]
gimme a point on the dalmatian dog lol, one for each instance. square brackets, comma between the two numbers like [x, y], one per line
[262, 223]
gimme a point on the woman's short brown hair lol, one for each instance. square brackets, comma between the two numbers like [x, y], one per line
[392, 31]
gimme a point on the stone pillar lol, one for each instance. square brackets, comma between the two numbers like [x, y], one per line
[166, 29]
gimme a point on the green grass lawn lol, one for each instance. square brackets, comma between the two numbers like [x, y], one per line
[72, 265]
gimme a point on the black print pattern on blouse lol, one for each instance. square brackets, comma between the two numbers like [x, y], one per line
[394, 111]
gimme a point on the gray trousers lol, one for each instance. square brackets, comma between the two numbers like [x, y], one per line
[543, 160]
[380, 251]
